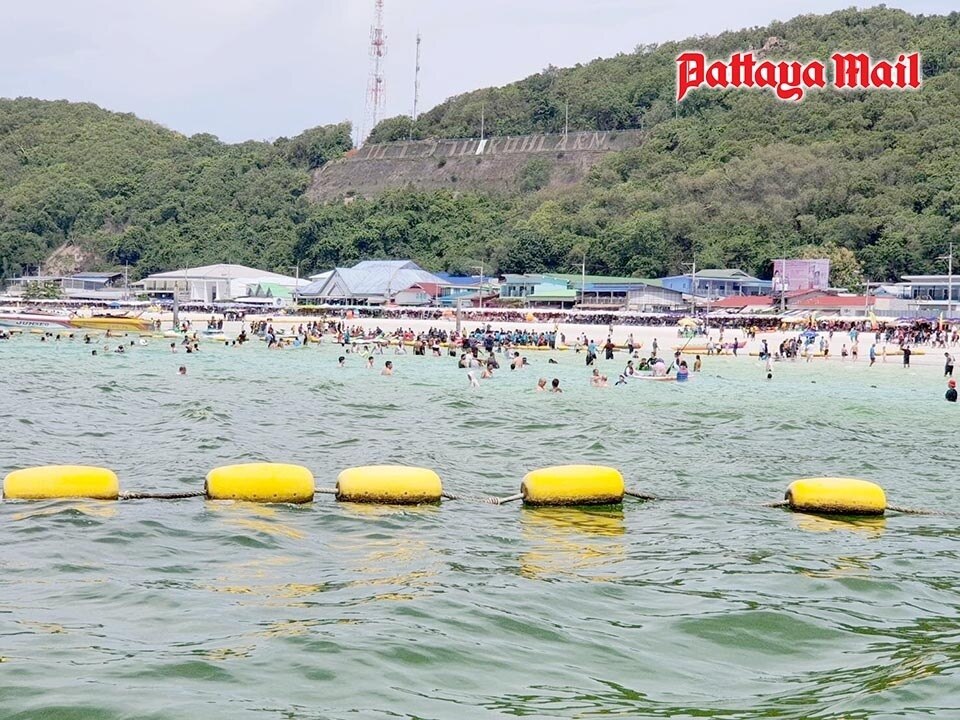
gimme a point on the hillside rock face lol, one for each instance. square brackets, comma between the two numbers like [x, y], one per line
[507, 163]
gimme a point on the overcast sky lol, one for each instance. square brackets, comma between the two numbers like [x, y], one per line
[259, 69]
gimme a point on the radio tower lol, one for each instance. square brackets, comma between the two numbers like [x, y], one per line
[376, 91]
[416, 88]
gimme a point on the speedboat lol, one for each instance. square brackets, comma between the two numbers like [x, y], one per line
[35, 320]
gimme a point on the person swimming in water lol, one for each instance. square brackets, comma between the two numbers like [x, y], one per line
[542, 385]
[555, 385]
[473, 380]
[683, 374]
[387, 368]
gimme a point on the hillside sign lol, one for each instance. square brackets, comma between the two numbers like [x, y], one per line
[790, 80]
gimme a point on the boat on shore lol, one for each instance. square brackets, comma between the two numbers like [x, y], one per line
[35, 320]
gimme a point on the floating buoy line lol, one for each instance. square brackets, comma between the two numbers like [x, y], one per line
[562, 485]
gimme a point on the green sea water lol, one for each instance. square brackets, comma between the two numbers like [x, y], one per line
[701, 605]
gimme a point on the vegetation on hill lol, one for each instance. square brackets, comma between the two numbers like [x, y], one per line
[736, 178]
[135, 193]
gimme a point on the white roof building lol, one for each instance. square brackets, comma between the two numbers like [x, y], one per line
[212, 283]
[372, 282]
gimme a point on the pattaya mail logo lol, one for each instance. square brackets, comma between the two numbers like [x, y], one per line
[790, 80]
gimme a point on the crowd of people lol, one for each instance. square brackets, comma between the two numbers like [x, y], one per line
[482, 347]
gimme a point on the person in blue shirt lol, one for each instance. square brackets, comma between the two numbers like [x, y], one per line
[683, 374]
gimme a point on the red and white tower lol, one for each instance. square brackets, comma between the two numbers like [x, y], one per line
[376, 90]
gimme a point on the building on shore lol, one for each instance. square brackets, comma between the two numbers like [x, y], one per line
[103, 286]
[372, 282]
[215, 283]
[713, 284]
[925, 295]
[591, 292]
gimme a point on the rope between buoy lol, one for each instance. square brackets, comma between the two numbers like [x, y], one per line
[325, 491]
[449, 496]
[501, 501]
[162, 496]
[917, 511]
[639, 495]
[781, 504]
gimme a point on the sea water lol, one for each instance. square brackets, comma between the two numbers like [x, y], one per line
[702, 604]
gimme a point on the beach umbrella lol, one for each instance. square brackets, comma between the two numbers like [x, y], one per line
[687, 322]
[809, 334]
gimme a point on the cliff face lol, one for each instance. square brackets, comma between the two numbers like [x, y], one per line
[494, 164]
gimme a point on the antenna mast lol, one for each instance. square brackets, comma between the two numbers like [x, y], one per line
[376, 90]
[416, 88]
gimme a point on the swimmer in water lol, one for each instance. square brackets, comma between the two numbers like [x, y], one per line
[341, 361]
[370, 363]
[387, 368]
[555, 386]
[473, 380]
[542, 385]
[487, 372]
[182, 370]
[683, 374]
[951, 395]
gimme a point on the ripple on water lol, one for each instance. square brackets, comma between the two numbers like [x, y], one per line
[707, 605]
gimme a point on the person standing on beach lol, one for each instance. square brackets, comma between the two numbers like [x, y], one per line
[948, 365]
[655, 346]
[873, 354]
[906, 356]
[609, 348]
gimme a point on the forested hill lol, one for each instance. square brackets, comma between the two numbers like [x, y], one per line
[117, 190]
[737, 177]
[637, 90]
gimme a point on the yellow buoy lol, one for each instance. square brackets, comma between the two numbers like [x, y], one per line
[390, 484]
[573, 485]
[52, 482]
[261, 482]
[839, 496]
